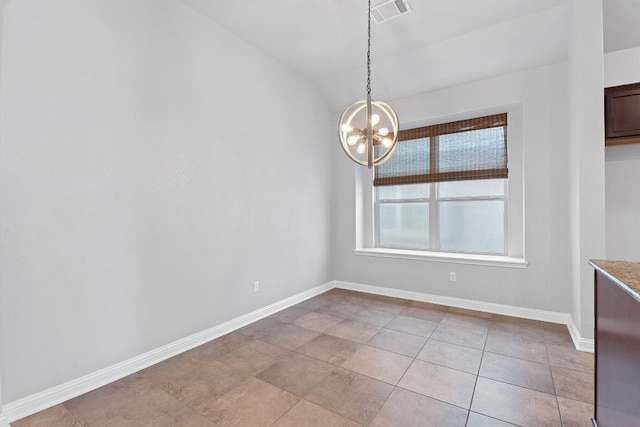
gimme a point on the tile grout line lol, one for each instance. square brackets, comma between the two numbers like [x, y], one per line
[71, 413]
[555, 390]
[475, 385]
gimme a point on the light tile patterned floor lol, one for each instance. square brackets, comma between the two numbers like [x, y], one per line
[351, 359]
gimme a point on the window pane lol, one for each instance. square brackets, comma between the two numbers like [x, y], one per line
[411, 158]
[411, 191]
[472, 226]
[473, 188]
[403, 225]
[472, 150]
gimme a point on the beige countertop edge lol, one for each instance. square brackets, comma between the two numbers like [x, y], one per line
[626, 274]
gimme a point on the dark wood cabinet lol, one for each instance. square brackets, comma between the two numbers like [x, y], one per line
[617, 350]
[622, 114]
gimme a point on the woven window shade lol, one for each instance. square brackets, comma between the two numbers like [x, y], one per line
[456, 151]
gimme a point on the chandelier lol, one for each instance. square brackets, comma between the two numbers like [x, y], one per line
[368, 129]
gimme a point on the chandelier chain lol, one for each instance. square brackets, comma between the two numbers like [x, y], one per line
[368, 146]
[369, 50]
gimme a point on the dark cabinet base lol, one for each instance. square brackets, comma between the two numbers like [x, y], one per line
[617, 373]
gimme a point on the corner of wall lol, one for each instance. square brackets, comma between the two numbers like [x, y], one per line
[586, 140]
[582, 344]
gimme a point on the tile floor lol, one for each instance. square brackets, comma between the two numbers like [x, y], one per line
[350, 359]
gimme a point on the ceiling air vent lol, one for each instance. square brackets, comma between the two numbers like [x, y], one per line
[389, 9]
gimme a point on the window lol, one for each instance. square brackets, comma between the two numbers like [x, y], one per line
[445, 189]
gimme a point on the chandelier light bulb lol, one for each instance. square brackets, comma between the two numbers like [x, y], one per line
[346, 128]
[383, 131]
[361, 148]
[351, 140]
[375, 119]
[386, 142]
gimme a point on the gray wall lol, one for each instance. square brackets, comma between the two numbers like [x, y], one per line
[544, 284]
[586, 201]
[152, 167]
[622, 169]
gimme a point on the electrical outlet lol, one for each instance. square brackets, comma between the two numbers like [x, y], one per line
[256, 286]
[452, 276]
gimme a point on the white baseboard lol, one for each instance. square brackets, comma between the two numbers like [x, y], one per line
[29, 405]
[580, 343]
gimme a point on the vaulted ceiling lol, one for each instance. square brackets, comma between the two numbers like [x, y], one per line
[439, 43]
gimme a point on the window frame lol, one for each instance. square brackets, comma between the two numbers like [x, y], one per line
[434, 201]
[365, 230]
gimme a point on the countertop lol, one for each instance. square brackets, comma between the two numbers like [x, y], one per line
[626, 274]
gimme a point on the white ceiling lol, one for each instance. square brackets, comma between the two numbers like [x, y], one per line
[440, 43]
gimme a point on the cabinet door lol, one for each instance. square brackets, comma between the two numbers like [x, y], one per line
[622, 109]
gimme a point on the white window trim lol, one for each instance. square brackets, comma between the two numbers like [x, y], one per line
[515, 256]
[450, 257]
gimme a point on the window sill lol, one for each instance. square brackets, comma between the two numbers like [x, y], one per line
[488, 260]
